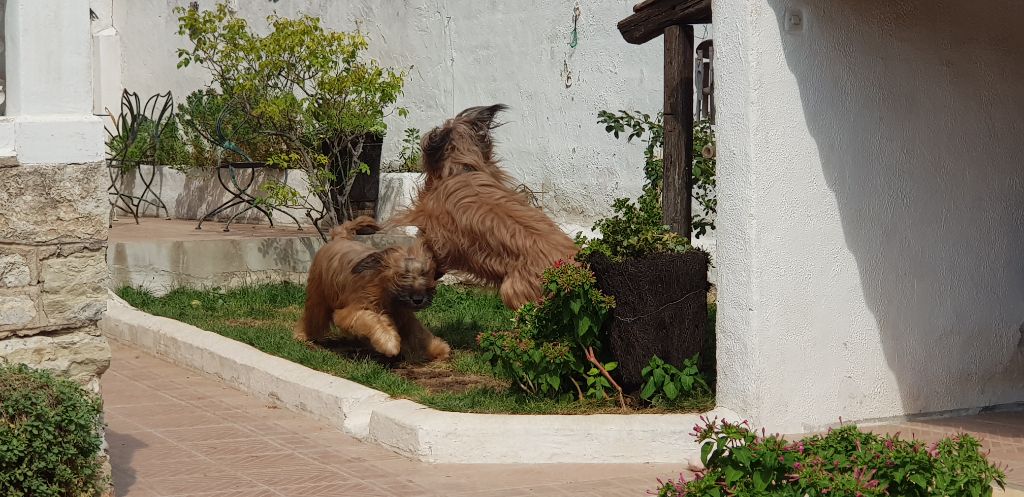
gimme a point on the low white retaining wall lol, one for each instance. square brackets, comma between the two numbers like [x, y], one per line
[404, 426]
[193, 195]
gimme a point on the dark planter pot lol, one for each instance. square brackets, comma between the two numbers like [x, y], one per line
[366, 188]
[660, 309]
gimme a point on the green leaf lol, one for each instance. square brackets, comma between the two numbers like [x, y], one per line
[648, 390]
[761, 480]
[918, 480]
[575, 306]
[583, 326]
[732, 475]
[611, 366]
[671, 391]
[705, 451]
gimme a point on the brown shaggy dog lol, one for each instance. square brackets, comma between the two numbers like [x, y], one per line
[372, 294]
[471, 218]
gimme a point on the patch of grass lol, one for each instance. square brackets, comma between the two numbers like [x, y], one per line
[264, 316]
[460, 313]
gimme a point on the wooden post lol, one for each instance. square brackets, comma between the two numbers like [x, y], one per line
[678, 150]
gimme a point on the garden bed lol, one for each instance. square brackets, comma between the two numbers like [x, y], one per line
[263, 317]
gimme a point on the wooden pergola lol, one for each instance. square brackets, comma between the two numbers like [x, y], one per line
[675, 20]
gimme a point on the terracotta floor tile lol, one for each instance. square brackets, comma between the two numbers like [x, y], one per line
[206, 433]
[262, 492]
[205, 482]
[353, 489]
[227, 448]
[177, 433]
[295, 476]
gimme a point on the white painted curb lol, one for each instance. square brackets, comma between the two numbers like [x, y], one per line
[403, 426]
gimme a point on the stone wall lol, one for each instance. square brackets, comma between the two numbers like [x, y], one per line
[53, 273]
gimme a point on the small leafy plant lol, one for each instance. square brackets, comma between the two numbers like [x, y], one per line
[843, 462]
[555, 347]
[50, 436]
[408, 160]
[664, 383]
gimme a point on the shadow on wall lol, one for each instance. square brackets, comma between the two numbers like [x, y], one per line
[916, 109]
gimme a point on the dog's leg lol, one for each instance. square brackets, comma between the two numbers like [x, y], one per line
[518, 288]
[316, 319]
[376, 328]
[418, 343]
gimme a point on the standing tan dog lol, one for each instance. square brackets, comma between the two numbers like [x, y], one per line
[471, 218]
[372, 294]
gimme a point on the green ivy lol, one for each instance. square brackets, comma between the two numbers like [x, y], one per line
[50, 436]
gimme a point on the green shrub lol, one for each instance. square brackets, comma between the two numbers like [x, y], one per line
[171, 149]
[664, 383]
[293, 94]
[844, 462]
[637, 228]
[546, 353]
[50, 436]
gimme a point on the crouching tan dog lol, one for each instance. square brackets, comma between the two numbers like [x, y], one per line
[372, 294]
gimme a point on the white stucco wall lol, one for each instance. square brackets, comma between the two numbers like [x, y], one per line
[465, 53]
[871, 208]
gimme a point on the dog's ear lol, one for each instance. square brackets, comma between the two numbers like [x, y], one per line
[483, 116]
[373, 261]
[434, 144]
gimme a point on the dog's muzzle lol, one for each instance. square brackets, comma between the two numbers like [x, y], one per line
[417, 302]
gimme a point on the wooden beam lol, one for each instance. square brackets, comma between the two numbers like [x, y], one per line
[654, 17]
[678, 149]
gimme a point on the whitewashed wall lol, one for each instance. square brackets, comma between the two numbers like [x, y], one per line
[871, 211]
[463, 53]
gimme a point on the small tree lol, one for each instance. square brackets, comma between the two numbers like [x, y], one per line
[304, 97]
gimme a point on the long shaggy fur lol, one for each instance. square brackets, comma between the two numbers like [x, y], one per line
[372, 294]
[472, 219]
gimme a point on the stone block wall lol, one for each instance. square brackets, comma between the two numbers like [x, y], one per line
[53, 273]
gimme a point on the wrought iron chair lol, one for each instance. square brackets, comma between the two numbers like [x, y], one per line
[239, 190]
[134, 142]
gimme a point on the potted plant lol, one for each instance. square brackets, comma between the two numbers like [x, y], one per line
[300, 97]
[658, 279]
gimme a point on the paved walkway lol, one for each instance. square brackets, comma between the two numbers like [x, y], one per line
[174, 432]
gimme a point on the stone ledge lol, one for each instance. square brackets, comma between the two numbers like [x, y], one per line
[406, 427]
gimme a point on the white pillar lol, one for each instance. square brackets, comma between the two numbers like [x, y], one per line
[49, 82]
[49, 57]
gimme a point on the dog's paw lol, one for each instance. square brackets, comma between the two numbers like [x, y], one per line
[389, 345]
[438, 350]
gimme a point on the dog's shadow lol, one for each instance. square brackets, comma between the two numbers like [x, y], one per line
[354, 349]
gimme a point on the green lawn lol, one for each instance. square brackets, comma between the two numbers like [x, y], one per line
[263, 317]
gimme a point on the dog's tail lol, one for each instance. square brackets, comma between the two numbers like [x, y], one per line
[362, 225]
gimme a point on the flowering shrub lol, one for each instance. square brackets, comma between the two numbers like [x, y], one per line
[555, 344]
[844, 462]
